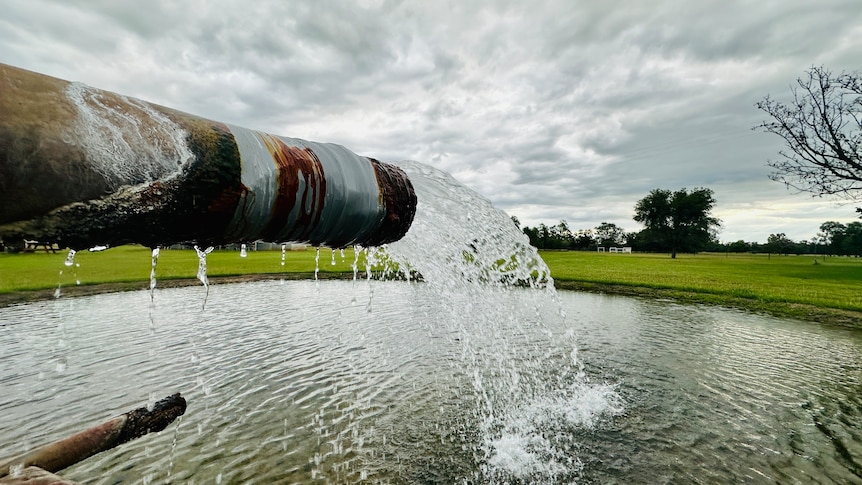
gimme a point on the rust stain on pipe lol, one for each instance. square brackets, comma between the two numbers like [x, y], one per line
[295, 165]
[396, 191]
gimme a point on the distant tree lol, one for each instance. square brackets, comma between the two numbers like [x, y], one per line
[516, 221]
[831, 234]
[562, 235]
[583, 239]
[677, 221]
[739, 247]
[778, 243]
[852, 243]
[558, 236]
[533, 234]
[822, 131]
[544, 236]
[608, 233]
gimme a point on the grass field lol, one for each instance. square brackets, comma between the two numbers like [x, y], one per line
[35, 271]
[808, 287]
[755, 281]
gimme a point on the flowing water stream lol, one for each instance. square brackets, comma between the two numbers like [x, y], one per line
[480, 373]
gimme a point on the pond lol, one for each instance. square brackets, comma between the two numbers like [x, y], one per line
[382, 382]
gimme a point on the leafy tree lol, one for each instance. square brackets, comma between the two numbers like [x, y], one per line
[558, 236]
[677, 221]
[831, 233]
[822, 132]
[583, 239]
[852, 243]
[739, 246]
[608, 233]
[778, 243]
[544, 236]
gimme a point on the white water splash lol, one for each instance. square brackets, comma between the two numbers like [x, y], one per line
[529, 404]
[127, 142]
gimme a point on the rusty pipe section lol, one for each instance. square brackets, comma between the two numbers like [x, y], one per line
[82, 167]
[64, 453]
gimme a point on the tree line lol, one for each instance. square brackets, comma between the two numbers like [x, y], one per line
[681, 221]
[674, 221]
[834, 238]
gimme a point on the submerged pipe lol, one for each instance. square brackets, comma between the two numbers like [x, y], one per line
[82, 167]
[64, 453]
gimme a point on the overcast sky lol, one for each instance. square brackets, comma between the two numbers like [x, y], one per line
[557, 109]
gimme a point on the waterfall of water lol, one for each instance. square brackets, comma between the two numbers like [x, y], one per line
[473, 256]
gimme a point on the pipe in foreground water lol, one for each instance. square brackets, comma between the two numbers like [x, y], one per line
[82, 167]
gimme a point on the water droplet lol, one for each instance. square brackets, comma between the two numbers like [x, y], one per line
[70, 258]
[202, 271]
[202, 264]
[154, 260]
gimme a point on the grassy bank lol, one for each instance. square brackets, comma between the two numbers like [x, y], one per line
[808, 287]
[132, 264]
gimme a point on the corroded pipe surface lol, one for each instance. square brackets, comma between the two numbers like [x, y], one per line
[126, 427]
[83, 167]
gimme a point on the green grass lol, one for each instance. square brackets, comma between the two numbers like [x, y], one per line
[833, 282]
[784, 285]
[37, 271]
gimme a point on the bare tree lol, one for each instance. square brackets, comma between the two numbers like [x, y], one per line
[822, 132]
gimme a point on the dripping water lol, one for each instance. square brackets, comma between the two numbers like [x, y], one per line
[154, 259]
[68, 262]
[202, 271]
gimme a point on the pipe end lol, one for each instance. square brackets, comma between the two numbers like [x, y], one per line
[399, 201]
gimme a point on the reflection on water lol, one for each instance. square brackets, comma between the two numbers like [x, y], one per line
[298, 382]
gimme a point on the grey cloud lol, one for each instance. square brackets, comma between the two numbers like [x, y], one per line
[553, 109]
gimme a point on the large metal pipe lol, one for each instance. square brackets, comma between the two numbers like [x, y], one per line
[82, 167]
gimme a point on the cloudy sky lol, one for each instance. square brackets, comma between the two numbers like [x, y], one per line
[552, 109]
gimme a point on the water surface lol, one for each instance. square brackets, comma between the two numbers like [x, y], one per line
[343, 382]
